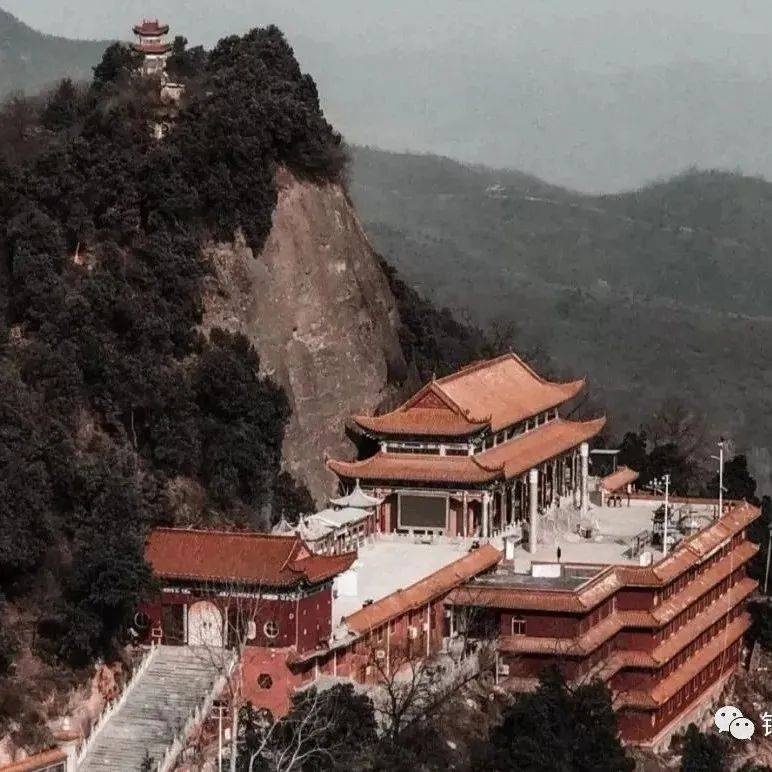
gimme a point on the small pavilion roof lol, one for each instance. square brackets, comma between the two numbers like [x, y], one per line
[510, 459]
[619, 479]
[358, 499]
[492, 394]
[151, 28]
[338, 518]
[242, 557]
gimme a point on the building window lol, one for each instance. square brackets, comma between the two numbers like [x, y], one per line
[271, 629]
[264, 681]
[518, 626]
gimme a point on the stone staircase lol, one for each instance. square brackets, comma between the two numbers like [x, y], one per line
[157, 710]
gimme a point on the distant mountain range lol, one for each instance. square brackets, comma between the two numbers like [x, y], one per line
[30, 60]
[658, 292]
[663, 292]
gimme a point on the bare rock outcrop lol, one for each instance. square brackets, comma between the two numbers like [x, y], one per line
[318, 309]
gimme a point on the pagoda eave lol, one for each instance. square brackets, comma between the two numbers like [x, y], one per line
[152, 50]
[151, 30]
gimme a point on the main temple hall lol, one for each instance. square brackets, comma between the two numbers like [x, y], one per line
[477, 453]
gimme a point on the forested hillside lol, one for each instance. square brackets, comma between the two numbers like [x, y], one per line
[110, 396]
[659, 294]
[30, 60]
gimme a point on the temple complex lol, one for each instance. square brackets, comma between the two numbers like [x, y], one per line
[152, 44]
[477, 453]
[475, 526]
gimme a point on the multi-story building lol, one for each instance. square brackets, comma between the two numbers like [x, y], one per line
[476, 453]
[664, 637]
[152, 45]
[462, 469]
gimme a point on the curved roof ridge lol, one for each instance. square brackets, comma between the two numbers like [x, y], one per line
[483, 363]
[224, 532]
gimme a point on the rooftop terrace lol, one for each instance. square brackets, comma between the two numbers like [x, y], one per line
[620, 535]
[391, 564]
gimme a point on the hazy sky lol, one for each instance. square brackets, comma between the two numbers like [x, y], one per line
[597, 94]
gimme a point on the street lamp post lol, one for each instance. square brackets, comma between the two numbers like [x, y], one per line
[720, 459]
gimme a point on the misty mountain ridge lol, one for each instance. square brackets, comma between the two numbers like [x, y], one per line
[655, 294]
[30, 60]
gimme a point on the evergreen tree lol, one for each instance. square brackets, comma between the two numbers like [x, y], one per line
[559, 728]
[702, 752]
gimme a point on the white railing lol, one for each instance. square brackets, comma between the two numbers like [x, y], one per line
[113, 706]
[196, 717]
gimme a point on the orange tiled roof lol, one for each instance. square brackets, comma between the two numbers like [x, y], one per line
[151, 27]
[674, 605]
[243, 557]
[497, 393]
[607, 628]
[38, 761]
[619, 479]
[424, 591]
[152, 48]
[668, 687]
[414, 467]
[517, 456]
[505, 461]
[669, 648]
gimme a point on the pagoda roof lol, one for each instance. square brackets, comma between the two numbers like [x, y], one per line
[243, 557]
[151, 28]
[510, 459]
[492, 394]
[152, 48]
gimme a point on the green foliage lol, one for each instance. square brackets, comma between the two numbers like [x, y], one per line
[738, 482]
[334, 729]
[559, 728]
[63, 107]
[9, 643]
[242, 421]
[118, 63]
[761, 630]
[183, 62]
[115, 390]
[703, 752]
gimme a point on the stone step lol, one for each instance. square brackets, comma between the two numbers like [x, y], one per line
[177, 681]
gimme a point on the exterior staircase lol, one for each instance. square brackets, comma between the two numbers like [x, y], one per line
[171, 693]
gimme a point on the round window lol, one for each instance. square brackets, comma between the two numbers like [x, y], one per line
[264, 681]
[271, 629]
[141, 620]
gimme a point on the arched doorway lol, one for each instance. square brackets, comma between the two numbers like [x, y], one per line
[204, 624]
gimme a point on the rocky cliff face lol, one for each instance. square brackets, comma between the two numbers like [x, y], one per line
[318, 309]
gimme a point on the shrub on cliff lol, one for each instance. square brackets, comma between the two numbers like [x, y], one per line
[109, 388]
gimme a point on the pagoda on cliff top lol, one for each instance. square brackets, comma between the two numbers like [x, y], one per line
[476, 453]
[152, 45]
